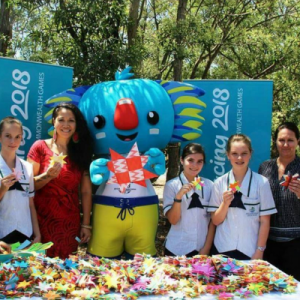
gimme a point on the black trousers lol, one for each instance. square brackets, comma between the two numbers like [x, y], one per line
[191, 254]
[236, 254]
[14, 237]
[285, 256]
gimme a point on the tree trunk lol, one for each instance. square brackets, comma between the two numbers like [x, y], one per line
[174, 149]
[178, 59]
[5, 27]
[133, 21]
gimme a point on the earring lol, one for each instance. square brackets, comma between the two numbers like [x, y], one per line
[75, 137]
[54, 135]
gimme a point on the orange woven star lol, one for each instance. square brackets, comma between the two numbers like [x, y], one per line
[235, 186]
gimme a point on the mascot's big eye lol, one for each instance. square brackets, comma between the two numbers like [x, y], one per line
[99, 122]
[153, 117]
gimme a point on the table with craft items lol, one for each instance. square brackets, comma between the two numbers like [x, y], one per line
[144, 277]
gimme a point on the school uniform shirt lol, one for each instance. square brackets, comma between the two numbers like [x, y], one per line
[190, 232]
[14, 206]
[240, 228]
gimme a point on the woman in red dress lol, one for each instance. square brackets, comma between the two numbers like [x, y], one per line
[59, 183]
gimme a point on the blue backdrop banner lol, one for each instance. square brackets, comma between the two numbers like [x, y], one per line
[23, 89]
[234, 106]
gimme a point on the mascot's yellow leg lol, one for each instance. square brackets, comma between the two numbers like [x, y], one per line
[135, 234]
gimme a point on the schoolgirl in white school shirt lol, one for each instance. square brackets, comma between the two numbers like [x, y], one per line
[191, 232]
[18, 218]
[242, 217]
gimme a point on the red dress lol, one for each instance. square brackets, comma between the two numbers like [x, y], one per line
[57, 203]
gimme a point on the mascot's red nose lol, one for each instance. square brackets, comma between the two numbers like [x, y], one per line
[126, 117]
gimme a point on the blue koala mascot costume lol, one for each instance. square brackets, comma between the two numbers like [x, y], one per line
[120, 113]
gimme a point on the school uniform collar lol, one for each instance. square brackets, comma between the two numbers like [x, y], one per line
[246, 184]
[4, 168]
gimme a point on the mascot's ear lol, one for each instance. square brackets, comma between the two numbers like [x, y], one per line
[125, 74]
[187, 108]
[71, 96]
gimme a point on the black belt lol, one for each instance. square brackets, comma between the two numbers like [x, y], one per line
[125, 203]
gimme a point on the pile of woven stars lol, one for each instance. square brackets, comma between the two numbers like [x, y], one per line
[170, 277]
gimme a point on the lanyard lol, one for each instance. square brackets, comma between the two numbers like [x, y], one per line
[249, 186]
[202, 192]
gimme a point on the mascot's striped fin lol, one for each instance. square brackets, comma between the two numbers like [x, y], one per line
[187, 109]
[51, 130]
[124, 74]
[71, 96]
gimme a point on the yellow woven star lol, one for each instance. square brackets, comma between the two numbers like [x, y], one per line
[58, 158]
[112, 280]
[24, 284]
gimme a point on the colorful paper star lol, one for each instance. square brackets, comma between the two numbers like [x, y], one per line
[18, 174]
[256, 288]
[243, 293]
[11, 283]
[112, 280]
[235, 186]
[50, 275]
[58, 158]
[197, 183]
[24, 285]
[128, 170]
[288, 178]
[225, 296]
[165, 277]
[51, 296]
[44, 287]
[20, 264]
[233, 279]
[85, 294]
[36, 273]
[70, 264]
[206, 269]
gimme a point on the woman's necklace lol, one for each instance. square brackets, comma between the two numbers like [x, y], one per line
[60, 148]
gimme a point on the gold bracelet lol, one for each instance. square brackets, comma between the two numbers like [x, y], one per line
[86, 226]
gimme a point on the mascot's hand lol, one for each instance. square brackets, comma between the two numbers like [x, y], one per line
[99, 171]
[156, 161]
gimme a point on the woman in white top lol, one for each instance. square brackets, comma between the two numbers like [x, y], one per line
[242, 216]
[185, 206]
[18, 218]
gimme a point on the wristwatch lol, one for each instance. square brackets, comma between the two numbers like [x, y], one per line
[262, 249]
[177, 200]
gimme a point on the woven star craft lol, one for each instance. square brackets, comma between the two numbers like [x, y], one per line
[288, 178]
[128, 169]
[235, 186]
[18, 174]
[58, 158]
[165, 277]
[197, 183]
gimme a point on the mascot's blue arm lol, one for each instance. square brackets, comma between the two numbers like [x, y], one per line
[99, 171]
[156, 161]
